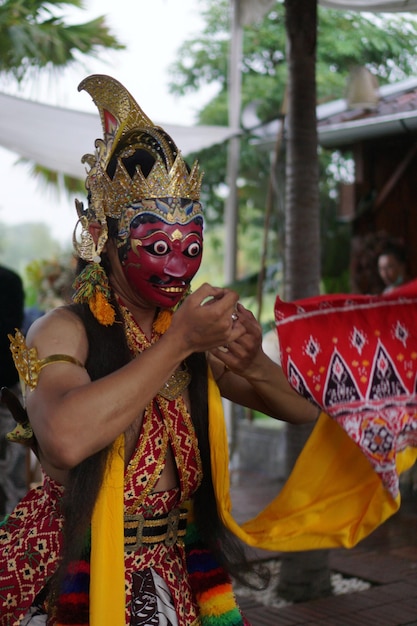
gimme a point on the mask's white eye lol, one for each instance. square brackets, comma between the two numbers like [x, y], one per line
[159, 247]
[193, 249]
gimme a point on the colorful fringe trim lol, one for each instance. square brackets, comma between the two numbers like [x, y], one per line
[210, 584]
[73, 606]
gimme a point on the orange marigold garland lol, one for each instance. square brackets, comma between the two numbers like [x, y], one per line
[163, 321]
[92, 287]
[102, 310]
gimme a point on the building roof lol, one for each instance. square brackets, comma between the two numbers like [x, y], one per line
[395, 113]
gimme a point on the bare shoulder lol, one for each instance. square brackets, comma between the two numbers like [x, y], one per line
[59, 331]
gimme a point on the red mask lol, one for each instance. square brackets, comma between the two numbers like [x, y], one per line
[163, 259]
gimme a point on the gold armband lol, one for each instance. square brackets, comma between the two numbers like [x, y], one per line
[27, 363]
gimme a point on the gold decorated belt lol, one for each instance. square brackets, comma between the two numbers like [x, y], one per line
[165, 529]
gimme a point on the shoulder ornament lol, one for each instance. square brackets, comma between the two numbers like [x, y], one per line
[27, 362]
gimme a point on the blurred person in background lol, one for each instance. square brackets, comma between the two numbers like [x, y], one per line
[392, 265]
[13, 459]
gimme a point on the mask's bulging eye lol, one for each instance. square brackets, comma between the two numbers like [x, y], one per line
[193, 249]
[159, 247]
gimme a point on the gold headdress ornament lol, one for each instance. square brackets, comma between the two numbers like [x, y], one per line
[117, 191]
[127, 130]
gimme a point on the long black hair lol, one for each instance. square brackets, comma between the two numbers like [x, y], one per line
[108, 351]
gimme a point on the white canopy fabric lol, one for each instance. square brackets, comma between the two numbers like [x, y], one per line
[57, 138]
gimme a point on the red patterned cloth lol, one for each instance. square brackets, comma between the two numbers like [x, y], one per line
[356, 357]
[174, 429]
[30, 540]
[30, 543]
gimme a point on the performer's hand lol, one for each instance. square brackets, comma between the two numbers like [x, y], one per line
[242, 352]
[206, 319]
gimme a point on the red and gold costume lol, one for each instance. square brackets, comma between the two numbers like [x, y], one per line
[31, 539]
[334, 497]
[137, 533]
[166, 424]
[32, 535]
[310, 512]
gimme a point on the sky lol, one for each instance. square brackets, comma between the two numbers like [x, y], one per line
[152, 32]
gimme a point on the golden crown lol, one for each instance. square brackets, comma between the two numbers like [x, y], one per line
[112, 188]
[124, 122]
[112, 195]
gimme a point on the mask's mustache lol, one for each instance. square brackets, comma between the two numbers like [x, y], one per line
[157, 280]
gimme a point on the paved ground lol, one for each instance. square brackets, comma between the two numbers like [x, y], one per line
[387, 559]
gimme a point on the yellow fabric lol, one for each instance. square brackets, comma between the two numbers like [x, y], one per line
[107, 579]
[332, 498]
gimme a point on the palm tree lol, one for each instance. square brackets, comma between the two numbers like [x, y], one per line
[33, 37]
[304, 575]
[302, 231]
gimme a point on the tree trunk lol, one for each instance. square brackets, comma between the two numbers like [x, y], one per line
[302, 216]
[304, 575]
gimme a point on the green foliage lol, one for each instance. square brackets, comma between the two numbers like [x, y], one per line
[204, 59]
[47, 270]
[48, 282]
[23, 243]
[384, 43]
[33, 36]
[50, 178]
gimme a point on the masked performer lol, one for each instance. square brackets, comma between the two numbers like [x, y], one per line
[123, 399]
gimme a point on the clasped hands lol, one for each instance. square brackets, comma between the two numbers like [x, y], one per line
[218, 323]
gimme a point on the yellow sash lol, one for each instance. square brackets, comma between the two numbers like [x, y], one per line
[332, 498]
[107, 574]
